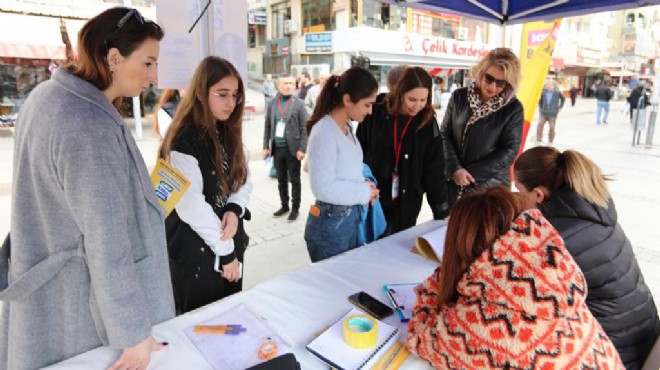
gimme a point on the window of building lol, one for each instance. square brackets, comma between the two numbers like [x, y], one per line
[280, 13]
[317, 16]
[385, 16]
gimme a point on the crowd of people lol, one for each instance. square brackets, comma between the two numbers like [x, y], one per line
[541, 277]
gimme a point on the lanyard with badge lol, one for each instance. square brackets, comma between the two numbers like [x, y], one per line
[397, 154]
[281, 123]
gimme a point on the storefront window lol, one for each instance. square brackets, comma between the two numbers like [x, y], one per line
[317, 16]
[280, 13]
[385, 16]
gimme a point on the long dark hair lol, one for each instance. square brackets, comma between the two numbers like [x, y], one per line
[194, 110]
[547, 167]
[357, 82]
[100, 34]
[476, 221]
[412, 78]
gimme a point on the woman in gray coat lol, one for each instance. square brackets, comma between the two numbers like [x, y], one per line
[88, 260]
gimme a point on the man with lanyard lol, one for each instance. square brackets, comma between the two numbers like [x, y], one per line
[285, 137]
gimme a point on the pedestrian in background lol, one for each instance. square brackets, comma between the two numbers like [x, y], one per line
[572, 193]
[393, 76]
[482, 128]
[304, 84]
[165, 111]
[269, 90]
[285, 138]
[205, 231]
[402, 145]
[314, 92]
[88, 253]
[603, 96]
[634, 99]
[335, 164]
[573, 93]
[550, 104]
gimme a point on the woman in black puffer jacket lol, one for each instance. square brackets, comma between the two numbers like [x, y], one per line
[571, 192]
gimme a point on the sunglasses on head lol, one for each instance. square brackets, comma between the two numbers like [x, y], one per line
[121, 23]
[490, 79]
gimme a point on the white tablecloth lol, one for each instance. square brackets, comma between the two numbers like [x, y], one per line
[299, 303]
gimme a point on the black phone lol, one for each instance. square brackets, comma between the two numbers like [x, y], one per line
[371, 305]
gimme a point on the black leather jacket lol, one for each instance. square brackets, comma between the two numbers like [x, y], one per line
[491, 143]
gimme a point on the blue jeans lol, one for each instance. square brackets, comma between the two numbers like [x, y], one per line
[333, 232]
[602, 106]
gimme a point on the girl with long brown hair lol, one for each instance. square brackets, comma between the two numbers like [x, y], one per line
[507, 295]
[205, 234]
[335, 164]
[403, 147]
[571, 192]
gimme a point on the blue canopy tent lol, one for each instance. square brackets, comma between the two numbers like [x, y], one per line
[505, 12]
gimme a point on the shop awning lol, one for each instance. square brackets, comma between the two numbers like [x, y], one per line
[34, 37]
[390, 59]
[620, 73]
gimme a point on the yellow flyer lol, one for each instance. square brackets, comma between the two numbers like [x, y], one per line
[169, 184]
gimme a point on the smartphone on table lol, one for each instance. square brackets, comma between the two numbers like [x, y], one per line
[371, 305]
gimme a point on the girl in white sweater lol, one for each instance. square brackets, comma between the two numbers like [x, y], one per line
[334, 156]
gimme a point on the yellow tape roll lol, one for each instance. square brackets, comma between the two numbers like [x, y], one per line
[360, 331]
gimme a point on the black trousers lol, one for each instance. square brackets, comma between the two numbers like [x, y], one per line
[288, 169]
[194, 279]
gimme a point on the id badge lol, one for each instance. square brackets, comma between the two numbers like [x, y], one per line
[279, 128]
[395, 186]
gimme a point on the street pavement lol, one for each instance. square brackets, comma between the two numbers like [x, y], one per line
[277, 246]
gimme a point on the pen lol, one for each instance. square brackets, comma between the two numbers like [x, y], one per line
[391, 297]
[219, 329]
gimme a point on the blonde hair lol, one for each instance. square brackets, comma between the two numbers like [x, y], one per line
[547, 167]
[504, 59]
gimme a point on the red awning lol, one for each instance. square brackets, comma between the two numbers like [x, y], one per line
[557, 63]
[34, 37]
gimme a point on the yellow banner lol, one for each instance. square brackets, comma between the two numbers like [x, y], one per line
[169, 185]
[536, 58]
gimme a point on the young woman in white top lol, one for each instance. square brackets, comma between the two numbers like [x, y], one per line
[334, 156]
[205, 235]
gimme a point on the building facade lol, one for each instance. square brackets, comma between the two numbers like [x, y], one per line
[329, 35]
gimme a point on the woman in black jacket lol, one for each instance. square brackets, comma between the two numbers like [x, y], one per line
[402, 145]
[482, 127]
[571, 192]
[205, 235]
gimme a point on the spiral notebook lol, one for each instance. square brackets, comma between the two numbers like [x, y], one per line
[331, 348]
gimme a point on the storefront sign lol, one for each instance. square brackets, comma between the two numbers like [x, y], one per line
[257, 16]
[435, 46]
[318, 42]
[588, 56]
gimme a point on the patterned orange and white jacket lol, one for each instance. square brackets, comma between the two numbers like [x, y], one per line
[521, 305]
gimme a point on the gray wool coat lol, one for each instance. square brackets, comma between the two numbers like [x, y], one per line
[88, 262]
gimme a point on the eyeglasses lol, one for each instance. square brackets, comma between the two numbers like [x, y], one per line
[490, 79]
[228, 98]
[121, 23]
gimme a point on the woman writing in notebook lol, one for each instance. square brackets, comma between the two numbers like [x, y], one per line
[334, 156]
[205, 233]
[508, 295]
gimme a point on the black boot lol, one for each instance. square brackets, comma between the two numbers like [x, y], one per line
[293, 215]
[281, 212]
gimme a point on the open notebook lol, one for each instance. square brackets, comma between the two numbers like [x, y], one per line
[432, 244]
[331, 348]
